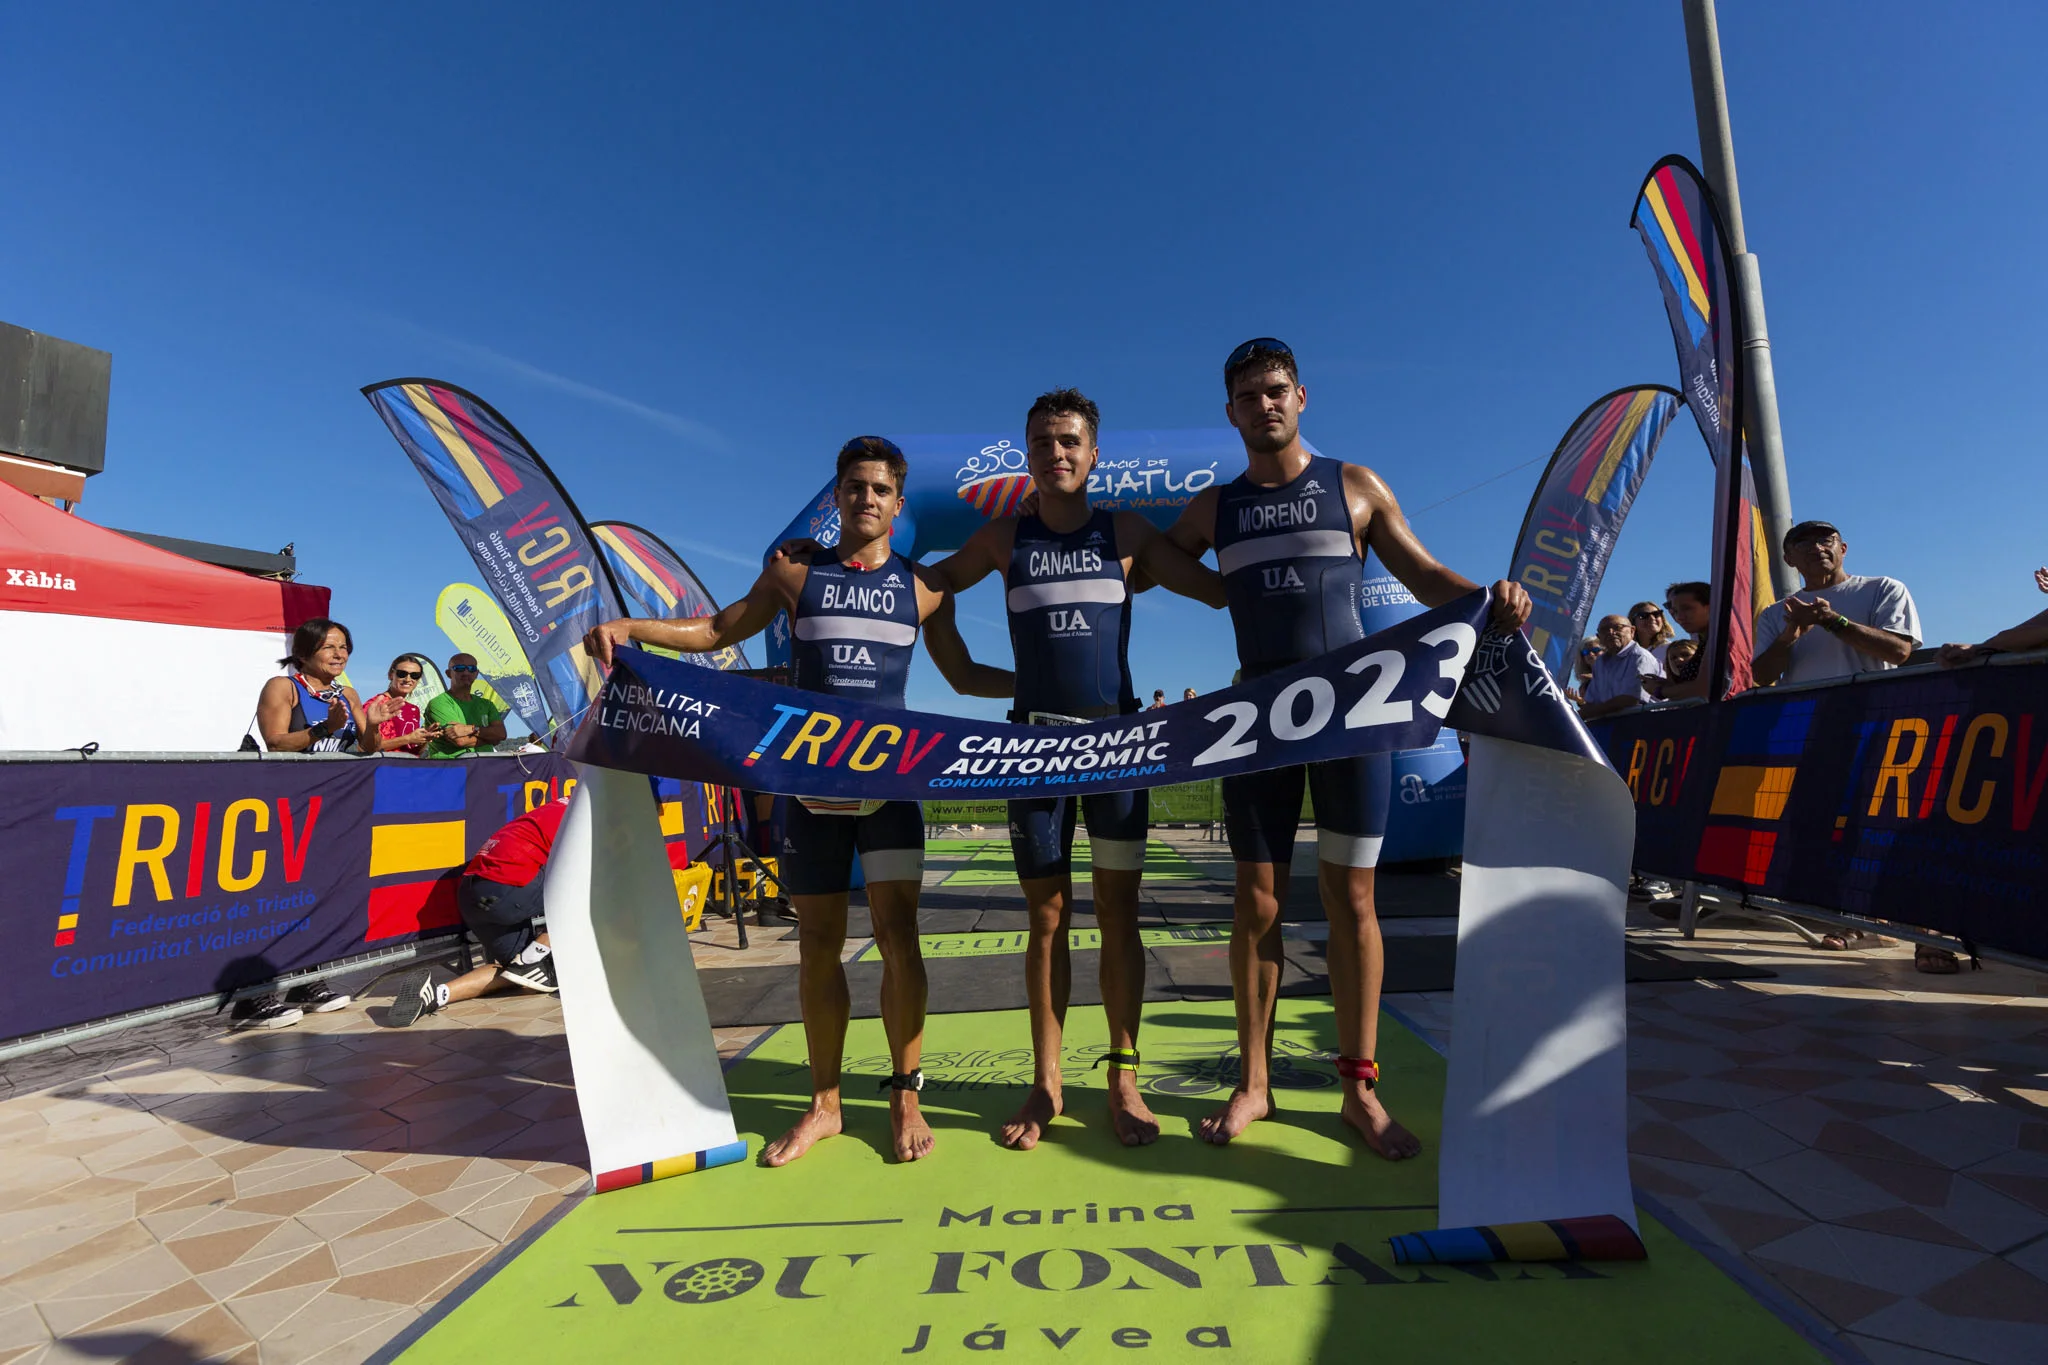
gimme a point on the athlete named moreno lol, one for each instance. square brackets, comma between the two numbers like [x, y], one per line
[1290, 536]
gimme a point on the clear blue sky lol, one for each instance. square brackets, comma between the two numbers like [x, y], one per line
[689, 254]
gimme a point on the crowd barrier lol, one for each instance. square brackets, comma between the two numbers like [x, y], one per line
[1908, 796]
[137, 881]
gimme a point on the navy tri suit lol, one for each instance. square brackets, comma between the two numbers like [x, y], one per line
[1292, 573]
[854, 633]
[1070, 628]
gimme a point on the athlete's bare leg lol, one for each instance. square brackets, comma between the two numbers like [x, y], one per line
[1357, 966]
[1123, 996]
[1048, 984]
[821, 984]
[1255, 988]
[893, 908]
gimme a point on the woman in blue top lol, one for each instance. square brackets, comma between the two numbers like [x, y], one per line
[307, 710]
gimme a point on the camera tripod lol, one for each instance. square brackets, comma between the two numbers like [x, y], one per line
[736, 852]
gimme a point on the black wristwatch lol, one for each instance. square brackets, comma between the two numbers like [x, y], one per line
[319, 731]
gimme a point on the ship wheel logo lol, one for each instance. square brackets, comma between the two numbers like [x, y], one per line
[714, 1281]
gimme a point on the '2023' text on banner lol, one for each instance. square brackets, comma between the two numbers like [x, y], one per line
[1913, 798]
[136, 884]
[1390, 691]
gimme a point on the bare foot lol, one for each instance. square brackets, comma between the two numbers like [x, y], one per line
[913, 1136]
[1031, 1120]
[1128, 1116]
[1241, 1112]
[817, 1122]
[1363, 1111]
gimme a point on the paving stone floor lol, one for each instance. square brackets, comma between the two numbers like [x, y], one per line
[1867, 1144]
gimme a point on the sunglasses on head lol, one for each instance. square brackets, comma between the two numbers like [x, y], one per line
[402, 674]
[462, 668]
[1244, 352]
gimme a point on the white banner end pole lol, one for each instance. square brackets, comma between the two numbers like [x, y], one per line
[648, 1080]
[1536, 1104]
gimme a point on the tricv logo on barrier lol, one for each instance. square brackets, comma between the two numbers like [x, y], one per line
[1391, 691]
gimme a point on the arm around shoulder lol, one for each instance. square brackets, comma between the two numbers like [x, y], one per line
[942, 641]
[1166, 563]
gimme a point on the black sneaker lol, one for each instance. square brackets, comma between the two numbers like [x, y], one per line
[314, 997]
[535, 976]
[418, 993]
[265, 1011]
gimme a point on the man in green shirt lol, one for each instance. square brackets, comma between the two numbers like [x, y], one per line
[468, 722]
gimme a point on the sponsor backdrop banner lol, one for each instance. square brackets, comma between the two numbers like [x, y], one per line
[137, 884]
[1392, 690]
[1915, 799]
[1577, 513]
[517, 523]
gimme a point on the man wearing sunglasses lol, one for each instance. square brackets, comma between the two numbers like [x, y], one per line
[468, 722]
[1290, 536]
[1840, 623]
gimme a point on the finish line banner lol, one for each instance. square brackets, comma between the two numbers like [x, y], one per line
[1390, 691]
[1906, 798]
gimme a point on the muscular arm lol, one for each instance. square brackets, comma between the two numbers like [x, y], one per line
[942, 641]
[1194, 530]
[1157, 559]
[274, 718]
[987, 551]
[776, 590]
[2031, 633]
[1388, 534]
[1887, 646]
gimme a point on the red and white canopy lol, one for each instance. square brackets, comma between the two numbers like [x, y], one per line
[106, 639]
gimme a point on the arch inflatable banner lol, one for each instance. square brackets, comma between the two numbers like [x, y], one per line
[958, 482]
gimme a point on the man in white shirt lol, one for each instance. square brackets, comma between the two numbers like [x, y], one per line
[1840, 624]
[1618, 671]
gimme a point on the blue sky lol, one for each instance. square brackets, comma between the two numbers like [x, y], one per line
[690, 252]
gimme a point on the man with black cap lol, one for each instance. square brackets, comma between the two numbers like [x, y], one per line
[1840, 624]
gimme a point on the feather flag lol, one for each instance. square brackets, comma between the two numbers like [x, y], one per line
[1577, 514]
[475, 625]
[1681, 230]
[658, 585]
[517, 523]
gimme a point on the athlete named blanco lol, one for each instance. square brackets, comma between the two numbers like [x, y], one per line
[1290, 536]
[1068, 571]
[858, 610]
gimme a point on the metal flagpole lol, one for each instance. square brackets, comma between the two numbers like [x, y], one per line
[1717, 163]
